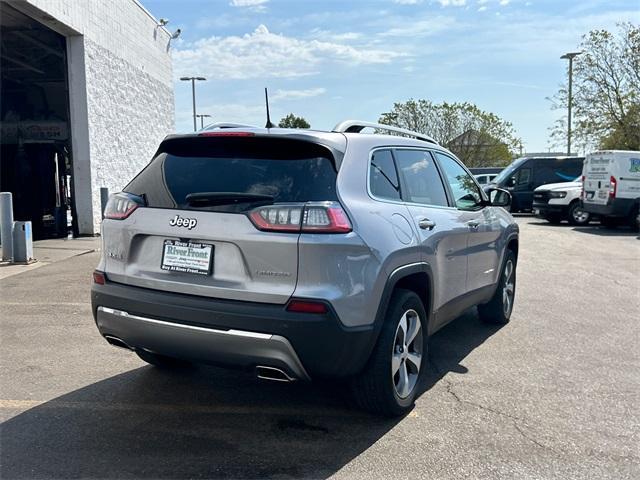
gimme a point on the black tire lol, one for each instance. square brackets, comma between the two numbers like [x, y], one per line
[609, 222]
[496, 311]
[553, 218]
[577, 215]
[634, 219]
[162, 361]
[375, 388]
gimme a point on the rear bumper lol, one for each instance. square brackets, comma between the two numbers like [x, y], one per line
[186, 341]
[618, 207]
[231, 333]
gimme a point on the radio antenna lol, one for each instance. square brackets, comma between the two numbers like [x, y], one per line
[266, 101]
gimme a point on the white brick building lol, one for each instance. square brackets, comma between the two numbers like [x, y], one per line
[87, 95]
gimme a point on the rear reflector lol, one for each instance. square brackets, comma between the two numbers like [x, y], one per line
[311, 217]
[98, 277]
[226, 134]
[306, 306]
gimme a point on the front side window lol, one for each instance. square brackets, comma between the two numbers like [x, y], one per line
[383, 179]
[466, 193]
[523, 179]
[420, 177]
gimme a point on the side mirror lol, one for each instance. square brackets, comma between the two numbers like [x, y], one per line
[499, 198]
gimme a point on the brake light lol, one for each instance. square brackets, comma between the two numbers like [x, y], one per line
[582, 188]
[316, 217]
[99, 277]
[121, 205]
[306, 306]
[613, 187]
[226, 134]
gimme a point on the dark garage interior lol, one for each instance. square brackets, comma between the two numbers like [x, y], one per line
[35, 160]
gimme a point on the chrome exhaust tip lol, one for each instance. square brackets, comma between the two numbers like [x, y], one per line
[118, 342]
[274, 374]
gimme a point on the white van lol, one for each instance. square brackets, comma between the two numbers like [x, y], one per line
[611, 182]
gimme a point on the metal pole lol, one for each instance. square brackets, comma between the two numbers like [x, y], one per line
[6, 225]
[193, 93]
[569, 106]
[201, 121]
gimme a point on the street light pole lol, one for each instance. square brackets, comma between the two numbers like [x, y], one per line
[193, 94]
[202, 117]
[570, 56]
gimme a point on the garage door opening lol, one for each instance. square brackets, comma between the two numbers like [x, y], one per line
[35, 157]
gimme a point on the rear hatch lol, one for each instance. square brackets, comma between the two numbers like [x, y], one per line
[597, 178]
[193, 234]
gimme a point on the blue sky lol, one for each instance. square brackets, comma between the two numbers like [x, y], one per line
[332, 60]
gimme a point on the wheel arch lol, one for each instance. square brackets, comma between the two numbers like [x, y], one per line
[417, 277]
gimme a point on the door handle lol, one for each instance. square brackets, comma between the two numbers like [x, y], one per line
[473, 224]
[426, 224]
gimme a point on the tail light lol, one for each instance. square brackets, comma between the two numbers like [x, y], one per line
[613, 187]
[582, 188]
[121, 205]
[312, 217]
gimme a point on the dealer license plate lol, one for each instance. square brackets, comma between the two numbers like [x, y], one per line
[187, 257]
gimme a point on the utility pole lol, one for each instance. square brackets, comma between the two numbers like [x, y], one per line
[569, 56]
[193, 94]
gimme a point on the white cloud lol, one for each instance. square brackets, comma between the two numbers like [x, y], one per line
[407, 2]
[453, 3]
[247, 3]
[328, 35]
[297, 94]
[263, 54]
[505, 2]
[482, 8]
[421, 27]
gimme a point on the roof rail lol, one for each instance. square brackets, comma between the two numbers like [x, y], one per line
[356, 126]
[220, 125]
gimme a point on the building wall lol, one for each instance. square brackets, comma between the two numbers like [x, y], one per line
[127, 105]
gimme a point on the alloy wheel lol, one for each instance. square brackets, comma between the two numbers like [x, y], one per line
[406, 358]
[509, 288]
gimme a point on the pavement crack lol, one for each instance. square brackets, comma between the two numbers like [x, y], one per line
[514, 419]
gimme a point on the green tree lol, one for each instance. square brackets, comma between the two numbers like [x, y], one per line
[606, 92]
[477, 137]
[291, 121]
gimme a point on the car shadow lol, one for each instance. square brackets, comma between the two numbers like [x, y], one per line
[207, 423]
[602, 231]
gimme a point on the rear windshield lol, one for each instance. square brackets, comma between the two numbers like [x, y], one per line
[285, 170]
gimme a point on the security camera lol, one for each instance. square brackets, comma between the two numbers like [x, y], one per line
[162, 22]
[176, 34]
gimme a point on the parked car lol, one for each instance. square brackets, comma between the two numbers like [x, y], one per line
[485, 178]
[485, 175]
[283, 252]
[526, 174]
[612, 186]
[561, 201]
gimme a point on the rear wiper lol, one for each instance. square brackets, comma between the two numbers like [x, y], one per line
[226, 198]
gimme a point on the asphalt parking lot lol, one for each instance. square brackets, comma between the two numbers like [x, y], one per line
[554, 394]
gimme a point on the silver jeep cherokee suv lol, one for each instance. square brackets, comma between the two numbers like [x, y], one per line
[301, 254]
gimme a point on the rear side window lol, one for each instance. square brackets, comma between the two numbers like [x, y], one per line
[286, 170]
[420, 177]
[383, 179]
